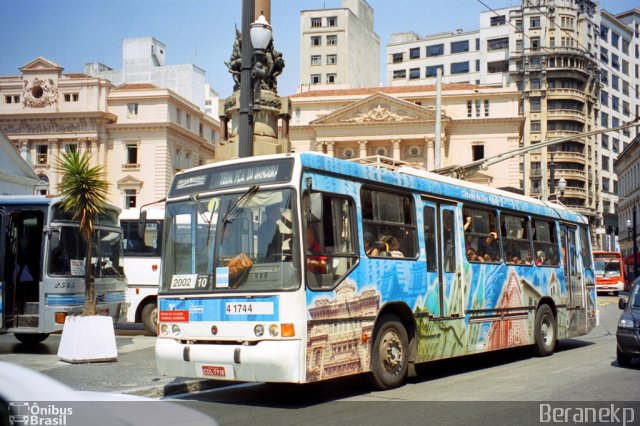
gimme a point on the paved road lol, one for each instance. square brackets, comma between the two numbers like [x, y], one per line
[470, 390]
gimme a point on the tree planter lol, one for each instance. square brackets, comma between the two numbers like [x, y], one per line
[88, 339]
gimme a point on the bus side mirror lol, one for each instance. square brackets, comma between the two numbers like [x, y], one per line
[315, 207]
[142, 223]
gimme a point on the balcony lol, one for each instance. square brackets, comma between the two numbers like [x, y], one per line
[565, 93]
[570, 173]
[568, 114]
[557, 134]
[559, 156]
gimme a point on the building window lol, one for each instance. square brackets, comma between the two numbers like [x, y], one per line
[398, 74]
[187, 160]
[615, 103]
[132, 109]
[615, 145]
[478, 107]
[12, 99]
[497, 20]
[498, 44]
[604, 98]
[70, 147]
[331, 78]
[469, 108]
[187, 121]
[460, 46]
[435, 50]
[315, 78]
[332, 21]
[534, 83]
[414, 53]
[604, 119]
[615, 82]
[477, 152]
[42, 154]
[534, 104]
[615, 61]
[316, 40]
[604, 76]
[132, 154]
[625, 47]
[432, 71]
[332, 40]
[604, 31]
[397, 57]
[604, 55]
[535, 125]
[177, 160]
[316, 60]
[130, 198]
[486, 107]
[71, 97]
[178, 116]
[414, 73]
[498, 67]
[518, 25]
[535, 43]
[460, 67]
[605, 142]
[534, 22]
[332, 59]
[316, 22]
[605, 163]
[615, 38]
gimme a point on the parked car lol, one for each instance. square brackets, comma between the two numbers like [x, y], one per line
[628, 334]
[30, 397]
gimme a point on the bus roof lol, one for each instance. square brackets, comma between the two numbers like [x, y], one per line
[153, 213]
[420, 180]
[39, 200]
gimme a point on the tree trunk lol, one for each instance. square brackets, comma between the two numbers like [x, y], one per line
[90, 305]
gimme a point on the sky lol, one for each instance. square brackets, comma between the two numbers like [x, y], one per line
[201, 32]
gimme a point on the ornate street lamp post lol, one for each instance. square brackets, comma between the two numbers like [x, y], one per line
[631, 229]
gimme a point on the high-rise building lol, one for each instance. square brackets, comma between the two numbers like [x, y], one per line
[338, 48]
[576, 68]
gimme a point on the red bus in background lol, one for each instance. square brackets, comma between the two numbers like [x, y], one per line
[609, 269]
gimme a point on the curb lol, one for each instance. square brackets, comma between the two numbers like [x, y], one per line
[177, 387]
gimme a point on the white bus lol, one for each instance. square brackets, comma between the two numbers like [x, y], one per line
[142, 265]
[42, 266]
[303, 267]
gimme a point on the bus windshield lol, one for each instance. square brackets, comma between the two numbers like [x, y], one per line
[68, 253]
[607, 266]
[243, 241]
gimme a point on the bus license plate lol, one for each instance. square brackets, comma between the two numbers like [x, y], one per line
[213, 371]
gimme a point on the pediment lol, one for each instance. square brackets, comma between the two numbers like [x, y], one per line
[129, 182]
[41, 64]
[377, 108]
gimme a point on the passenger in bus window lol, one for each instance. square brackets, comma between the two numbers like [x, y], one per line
[467, 223]
[269, 233]
[315, 263]
[541, 258]
[490, 250]
[394, 246]
[369, 245]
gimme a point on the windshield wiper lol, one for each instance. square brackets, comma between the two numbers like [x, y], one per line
[234, 209]
[201, 211]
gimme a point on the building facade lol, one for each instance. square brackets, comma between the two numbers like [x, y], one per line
[399, 123]
[339, 48]
[576, 68]
[144, 61]
[628, 168]
[140, 133]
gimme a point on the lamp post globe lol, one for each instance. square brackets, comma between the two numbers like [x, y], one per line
[260, 33]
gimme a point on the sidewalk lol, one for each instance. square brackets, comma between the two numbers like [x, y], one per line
[134, 372]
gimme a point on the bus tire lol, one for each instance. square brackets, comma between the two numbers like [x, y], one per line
[30, 338]
[389, 356]
[150, 317]
[545, 331]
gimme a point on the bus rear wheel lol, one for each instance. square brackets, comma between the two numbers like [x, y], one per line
[389, 357]
[31, 338]
[545, 331]
[150, 317]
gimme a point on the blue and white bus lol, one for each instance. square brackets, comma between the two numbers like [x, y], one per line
[42, 264]
[366, 270]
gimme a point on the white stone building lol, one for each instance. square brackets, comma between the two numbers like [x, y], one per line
[339, 48]
[142, 134]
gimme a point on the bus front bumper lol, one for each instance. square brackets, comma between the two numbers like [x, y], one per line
[266, 361]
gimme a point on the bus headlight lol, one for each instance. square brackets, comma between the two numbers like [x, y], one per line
[175, 330]
[273, 330]
[164, 329]
[258, 330]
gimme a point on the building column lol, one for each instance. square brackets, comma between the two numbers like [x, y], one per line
[319, 146]
[54, 153]
[431, 152]
[396, 148]
[25, 152]
[363, 148]
[93, 151]
[330, 146]
[82, 146]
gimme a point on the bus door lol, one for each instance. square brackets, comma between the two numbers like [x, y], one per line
[572, 266]
[444, 298]
[21, 266]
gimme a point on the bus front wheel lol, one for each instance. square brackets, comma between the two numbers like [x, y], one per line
[150, 317]
[545, 331]
[389, 360]
[31, 338]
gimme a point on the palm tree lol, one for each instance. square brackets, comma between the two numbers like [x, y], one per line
[84, 190]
